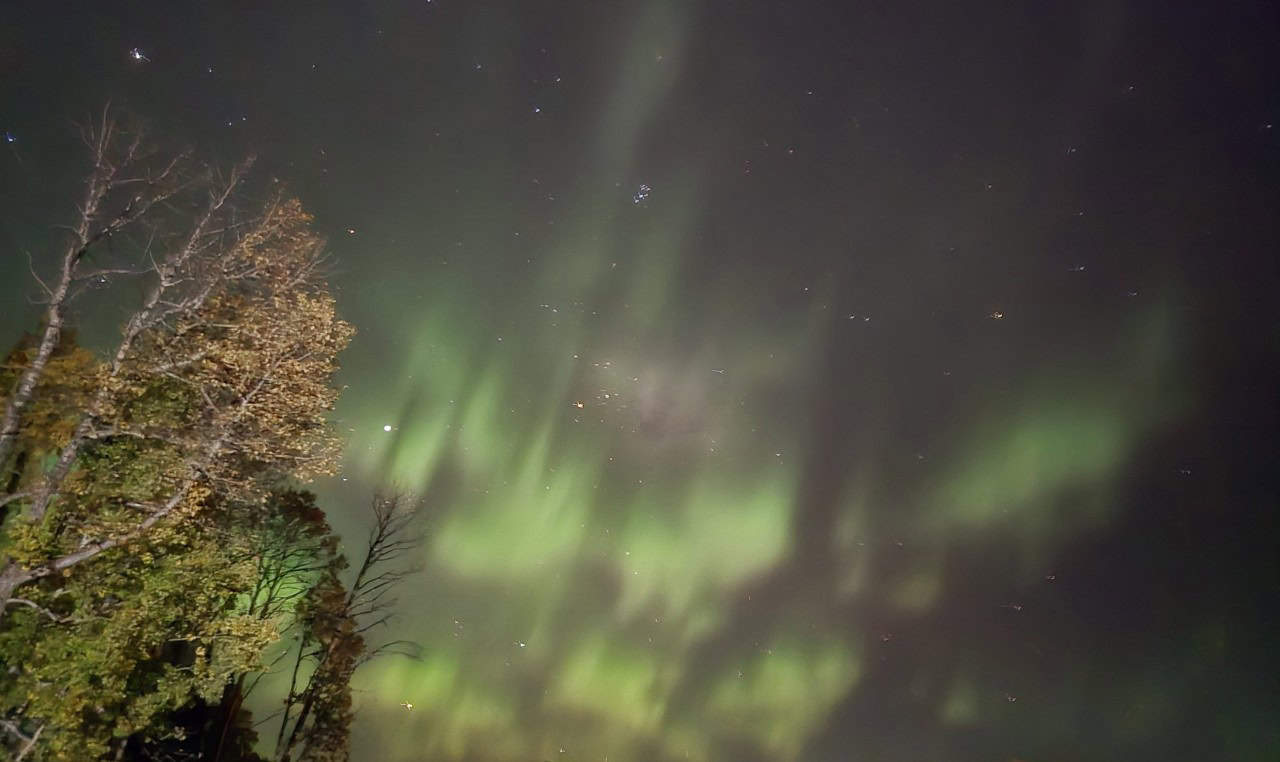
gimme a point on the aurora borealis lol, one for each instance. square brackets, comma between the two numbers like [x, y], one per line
[813, 381]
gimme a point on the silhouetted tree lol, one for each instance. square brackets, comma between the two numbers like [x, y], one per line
[333, 643]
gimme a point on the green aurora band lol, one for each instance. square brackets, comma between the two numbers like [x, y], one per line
[583, 561]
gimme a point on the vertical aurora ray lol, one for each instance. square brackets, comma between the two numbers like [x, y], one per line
[610, 497]
[784, 381]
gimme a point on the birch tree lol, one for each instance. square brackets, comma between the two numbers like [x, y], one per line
[221, 374]
[126, 180]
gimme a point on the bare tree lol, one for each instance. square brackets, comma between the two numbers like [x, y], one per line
[295, 547]
[126, 181]
[333, 645]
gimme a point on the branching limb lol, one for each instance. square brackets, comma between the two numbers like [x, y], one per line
[9, 498]
[28, 742]
[37, 607]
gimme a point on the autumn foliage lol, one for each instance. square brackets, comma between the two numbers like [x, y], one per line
[153, 552]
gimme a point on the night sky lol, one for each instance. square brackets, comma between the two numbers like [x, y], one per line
[786, 381]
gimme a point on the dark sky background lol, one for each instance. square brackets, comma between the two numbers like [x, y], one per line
[844, 381]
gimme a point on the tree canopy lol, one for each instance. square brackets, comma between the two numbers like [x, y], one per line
[155, 547]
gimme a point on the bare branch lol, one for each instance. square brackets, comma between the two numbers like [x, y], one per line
[139, 322]
[405, 648]
[28, 742]
[98, 184]
[14, 731]
[31, 267]
[9, 498]
[37, 607]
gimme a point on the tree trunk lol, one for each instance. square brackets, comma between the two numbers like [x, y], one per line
[96, 187]
[21, 396]
[228, 709]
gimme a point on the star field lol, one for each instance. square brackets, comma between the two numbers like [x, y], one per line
[817, 381]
